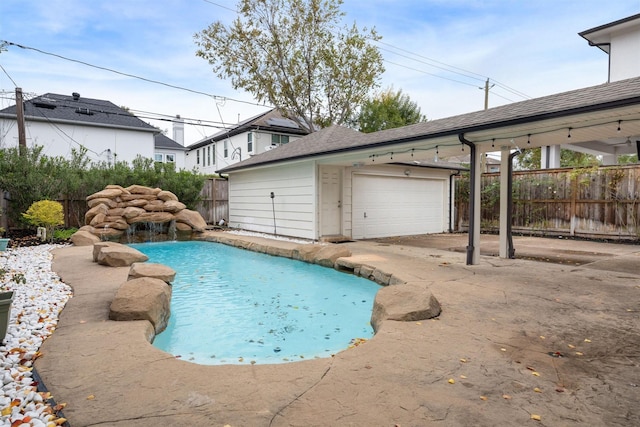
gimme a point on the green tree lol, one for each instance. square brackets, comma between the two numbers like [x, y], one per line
[388, 110]
[531, 159]
[295, 55]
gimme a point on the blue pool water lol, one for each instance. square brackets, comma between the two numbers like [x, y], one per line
[233, 306]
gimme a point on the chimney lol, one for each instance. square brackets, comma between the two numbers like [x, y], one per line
[178, 130]
[76, 96]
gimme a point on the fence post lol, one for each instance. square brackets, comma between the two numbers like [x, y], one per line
[574, 196]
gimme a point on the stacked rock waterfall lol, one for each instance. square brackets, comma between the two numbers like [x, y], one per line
[116, 211]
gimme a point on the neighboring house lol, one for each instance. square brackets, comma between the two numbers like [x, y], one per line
[338, 182]
[250, 137]
[489, 164]
[621, 41]
[60, 123]
[169, 151]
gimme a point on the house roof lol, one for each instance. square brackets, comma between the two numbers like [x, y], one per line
[162, 141]
[75, 109]
[271, 121]
[601, 35]
[523, 115]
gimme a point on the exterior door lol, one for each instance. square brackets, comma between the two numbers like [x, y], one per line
[330, 201]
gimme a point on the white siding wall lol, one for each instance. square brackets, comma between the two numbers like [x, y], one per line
[237, 144]
[59, 139]
[392, 171]
[178, 155]
[625, 56]
[250, 206]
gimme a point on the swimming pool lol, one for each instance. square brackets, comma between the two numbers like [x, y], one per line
[233, 306]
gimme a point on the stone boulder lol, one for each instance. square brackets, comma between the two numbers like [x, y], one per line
[192, 218]
[327, 255]
[408, 302]
[84, 238]
[145, 298]
[118, 255]
[305, 253]
[149, 269]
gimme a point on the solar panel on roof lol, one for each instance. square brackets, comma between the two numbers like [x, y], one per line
[285, 123]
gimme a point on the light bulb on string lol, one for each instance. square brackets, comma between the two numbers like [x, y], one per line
[619, 125]
[493, 143]
[528, 138]
[569, 134]
[435, 158]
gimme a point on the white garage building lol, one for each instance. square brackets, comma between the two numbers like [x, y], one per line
[339, 183]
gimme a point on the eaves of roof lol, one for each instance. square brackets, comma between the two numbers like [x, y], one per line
[336, 139]
[258, 122]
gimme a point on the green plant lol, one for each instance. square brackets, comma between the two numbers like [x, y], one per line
[64, 234]
[45, 213]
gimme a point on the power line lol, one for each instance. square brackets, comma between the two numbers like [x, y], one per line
[216, 97]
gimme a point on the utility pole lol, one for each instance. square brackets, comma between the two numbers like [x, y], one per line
[22, 139]
[486, 94]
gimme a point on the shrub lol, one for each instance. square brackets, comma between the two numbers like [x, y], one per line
[45, 213]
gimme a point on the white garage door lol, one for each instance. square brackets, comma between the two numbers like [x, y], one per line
[396, 206]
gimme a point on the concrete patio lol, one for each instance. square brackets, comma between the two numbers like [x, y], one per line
[516, 339]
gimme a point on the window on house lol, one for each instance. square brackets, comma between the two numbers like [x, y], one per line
[198, 156]
[209, 155]
[213, 154]
[226, 149]
[158, 157]
[279, 139]
[249, 142]
[170, 158]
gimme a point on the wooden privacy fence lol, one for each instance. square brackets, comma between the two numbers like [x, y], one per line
[595, 202]
[214, 200]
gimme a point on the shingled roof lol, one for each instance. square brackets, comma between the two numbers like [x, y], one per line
[270, 121]
[337, 139]
[162, 141]
[75, 109]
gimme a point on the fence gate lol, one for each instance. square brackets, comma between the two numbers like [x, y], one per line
[214, 203]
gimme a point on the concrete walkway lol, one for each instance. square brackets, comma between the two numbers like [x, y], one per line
[516, 339]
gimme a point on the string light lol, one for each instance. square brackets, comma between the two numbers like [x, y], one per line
[493, 142]
[416, 150]
[619, 125]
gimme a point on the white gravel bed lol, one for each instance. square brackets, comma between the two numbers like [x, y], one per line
[39, 296]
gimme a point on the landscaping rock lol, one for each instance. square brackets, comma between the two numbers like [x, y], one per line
[145, 298]
[192, 218]
[406, 303]
[97, 247]
[119, 256]
[149, 269]
[84, 238]
[306, 253]
[327, 255]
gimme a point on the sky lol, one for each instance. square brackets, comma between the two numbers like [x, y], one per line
[439, 52]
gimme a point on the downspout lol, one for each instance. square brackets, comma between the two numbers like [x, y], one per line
[472, 195]
[451, 201]
[599, 45]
